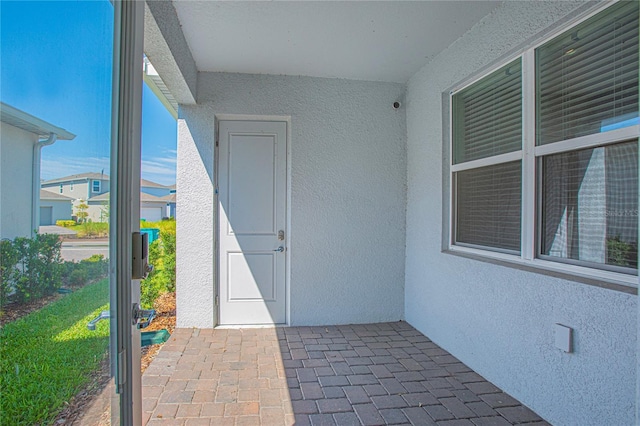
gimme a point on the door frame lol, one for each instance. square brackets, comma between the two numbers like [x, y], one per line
[216, 223]
[125, 164]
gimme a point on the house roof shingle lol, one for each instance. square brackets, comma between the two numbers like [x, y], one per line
[144, 197]
[103, 176]
[48, 195]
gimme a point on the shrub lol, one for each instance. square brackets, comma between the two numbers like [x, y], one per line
[76, 274]
[162, 255]
[96, 266]
[9, 258]
[93, 229]
[65, 223]
[31, 268]
[37, 266]
[621, 253]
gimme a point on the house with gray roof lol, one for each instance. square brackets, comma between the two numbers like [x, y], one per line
[93, 188]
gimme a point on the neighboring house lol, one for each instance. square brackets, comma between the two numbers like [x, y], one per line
[170, 208]
[93, 189]
[54, 207]
[494, 212]
[152, 208]
[152, 188]
[21, 140]
[80, 186]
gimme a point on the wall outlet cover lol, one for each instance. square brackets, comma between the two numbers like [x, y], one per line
[564, 337]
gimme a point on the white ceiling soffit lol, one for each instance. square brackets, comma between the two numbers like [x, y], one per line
[361, 40]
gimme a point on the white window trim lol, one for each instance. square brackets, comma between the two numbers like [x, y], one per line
[93, 186]
[528, 155]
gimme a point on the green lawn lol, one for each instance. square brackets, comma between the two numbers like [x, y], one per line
[47, 356]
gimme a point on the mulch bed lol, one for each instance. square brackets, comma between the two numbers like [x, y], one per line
[15, 311]
[165, 307]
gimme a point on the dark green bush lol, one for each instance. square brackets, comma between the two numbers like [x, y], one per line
[31, 268]
[78, 276]
[621, 253]
[8, 269]
[80, 273]
[37, 267]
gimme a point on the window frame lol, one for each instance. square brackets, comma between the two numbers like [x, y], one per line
[93, 186]
[530, 156]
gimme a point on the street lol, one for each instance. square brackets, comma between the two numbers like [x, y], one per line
[76, 250]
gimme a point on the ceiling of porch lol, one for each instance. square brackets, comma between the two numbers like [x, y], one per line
[362, 40]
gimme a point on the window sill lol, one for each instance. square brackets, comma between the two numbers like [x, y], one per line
[598, 278]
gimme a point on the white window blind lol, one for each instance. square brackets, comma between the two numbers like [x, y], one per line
[488, 208]
[590, 205]
[587, 78]
[488, 115]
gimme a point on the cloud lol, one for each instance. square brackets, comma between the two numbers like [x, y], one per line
[160, 169]
[51, 168]
[157, 169]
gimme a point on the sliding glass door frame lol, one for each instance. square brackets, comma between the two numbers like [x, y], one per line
[125, 207]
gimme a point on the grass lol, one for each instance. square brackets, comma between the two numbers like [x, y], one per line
[48, 356]
[91, 229]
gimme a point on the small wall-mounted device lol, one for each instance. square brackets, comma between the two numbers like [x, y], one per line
[564, 338]
[140, 256]
[396, 105]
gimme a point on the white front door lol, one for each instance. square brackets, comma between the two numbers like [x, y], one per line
[252, 184]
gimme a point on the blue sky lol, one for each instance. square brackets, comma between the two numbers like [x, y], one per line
[56, 64]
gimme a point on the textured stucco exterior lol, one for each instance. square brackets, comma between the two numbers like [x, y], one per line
[347, 196]
[499, 320]
[16, 159]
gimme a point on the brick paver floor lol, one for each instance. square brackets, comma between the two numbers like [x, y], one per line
[371, 374]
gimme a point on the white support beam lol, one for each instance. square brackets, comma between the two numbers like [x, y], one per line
[168, 51]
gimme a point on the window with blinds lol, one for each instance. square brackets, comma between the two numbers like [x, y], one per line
[587, 78]
[487, 121]
[590, 205]
[587, 84]
[567, 196]
[488, 115]
[488, 207]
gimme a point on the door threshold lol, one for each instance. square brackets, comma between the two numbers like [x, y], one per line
[239, 326]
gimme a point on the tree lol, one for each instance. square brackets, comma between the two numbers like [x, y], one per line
[81, 211]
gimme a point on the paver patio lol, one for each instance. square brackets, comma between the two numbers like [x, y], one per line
[369, 374]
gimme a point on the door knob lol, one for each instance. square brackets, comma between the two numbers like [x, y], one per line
[279, 249]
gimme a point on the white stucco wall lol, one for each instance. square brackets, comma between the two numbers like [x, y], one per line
[497, 319]
[347, 195]
[16, 157]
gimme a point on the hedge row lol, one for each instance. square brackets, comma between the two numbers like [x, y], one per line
[32, 268]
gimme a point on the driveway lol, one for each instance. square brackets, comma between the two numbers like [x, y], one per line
[54, 229]
[369, 374]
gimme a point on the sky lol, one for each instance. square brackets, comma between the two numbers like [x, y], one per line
[56, 64]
